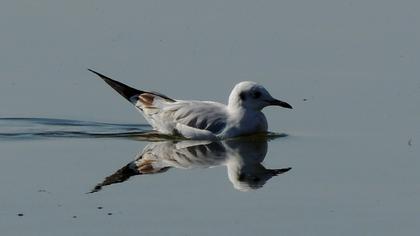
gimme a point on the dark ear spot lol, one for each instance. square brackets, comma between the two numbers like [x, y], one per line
[256, 95]
[242, 96]
[256, 179]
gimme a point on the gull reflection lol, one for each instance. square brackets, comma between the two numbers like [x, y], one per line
[242, 158]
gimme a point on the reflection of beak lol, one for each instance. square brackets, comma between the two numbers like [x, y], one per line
[276, 102]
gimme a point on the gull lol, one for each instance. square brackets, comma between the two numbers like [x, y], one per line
[202, 120]
[242, 158]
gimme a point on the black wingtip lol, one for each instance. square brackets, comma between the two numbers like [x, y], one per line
[97, 73]
[106, 78]
[124, 90]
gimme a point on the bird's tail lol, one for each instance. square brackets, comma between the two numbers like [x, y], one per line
[129, 93]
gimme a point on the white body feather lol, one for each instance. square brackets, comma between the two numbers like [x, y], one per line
[202, 120]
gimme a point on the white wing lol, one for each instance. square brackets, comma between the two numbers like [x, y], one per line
[186, 118]
[190, 119]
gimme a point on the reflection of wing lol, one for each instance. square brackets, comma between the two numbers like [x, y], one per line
[241, 157]
[122, 175]
[158, 157]
[184, 155]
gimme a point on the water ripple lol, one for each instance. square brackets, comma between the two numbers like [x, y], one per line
[15, 128]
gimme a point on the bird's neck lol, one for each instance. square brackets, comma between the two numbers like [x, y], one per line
[238, 108]
[234, 102]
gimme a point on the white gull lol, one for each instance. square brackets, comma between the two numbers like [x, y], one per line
[202, 120]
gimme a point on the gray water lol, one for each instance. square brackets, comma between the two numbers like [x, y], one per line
[70, 145]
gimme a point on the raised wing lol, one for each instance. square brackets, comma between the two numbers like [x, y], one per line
[191, 119]
[129, 93]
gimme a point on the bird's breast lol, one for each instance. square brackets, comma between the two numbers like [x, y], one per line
[245, 124]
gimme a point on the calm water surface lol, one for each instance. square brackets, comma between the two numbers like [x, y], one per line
[66, 180]
[76, 159]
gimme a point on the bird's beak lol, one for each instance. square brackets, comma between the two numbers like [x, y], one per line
[276, 102]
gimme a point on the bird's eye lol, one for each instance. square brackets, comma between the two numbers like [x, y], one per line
[256, 95]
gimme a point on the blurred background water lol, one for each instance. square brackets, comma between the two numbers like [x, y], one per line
[349, 68]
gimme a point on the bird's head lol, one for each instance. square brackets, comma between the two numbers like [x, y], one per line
[251, 95]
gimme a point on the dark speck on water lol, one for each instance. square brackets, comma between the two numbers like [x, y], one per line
[99, 208]
[20, 214]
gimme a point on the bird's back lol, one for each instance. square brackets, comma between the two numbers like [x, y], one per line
[167, 116]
